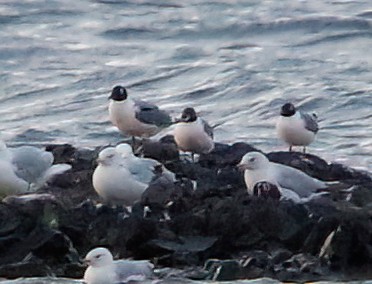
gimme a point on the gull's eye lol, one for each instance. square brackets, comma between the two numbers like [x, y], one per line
[110, 156]
[252, 160]
[98, 256]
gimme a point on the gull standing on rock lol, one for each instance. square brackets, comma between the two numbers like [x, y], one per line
[135, 117]
[103, 269]
[114, 182]
[193, 134]
[292, 183]
[296, 128]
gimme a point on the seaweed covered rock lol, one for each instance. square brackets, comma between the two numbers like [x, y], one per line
[205, 217]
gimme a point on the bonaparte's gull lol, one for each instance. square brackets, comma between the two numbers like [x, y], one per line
[136, 118]
[266, 190]
[103, 269]
[193, 134]
[295, 127]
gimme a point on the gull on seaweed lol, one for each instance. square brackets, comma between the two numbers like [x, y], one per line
[292, 183]
[296, 128]
[26, 165]
[103, 269]
[113, 182]
[135, 118]
[193, 134]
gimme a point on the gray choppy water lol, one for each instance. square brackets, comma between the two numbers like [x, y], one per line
[235, 61]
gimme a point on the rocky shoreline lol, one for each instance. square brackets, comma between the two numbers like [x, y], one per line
[205, 224]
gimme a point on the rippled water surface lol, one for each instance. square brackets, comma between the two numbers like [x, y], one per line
[235, 61]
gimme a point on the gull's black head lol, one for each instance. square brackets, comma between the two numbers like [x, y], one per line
[287, 109]
[118, 93]
[188, 115]
[266, 190]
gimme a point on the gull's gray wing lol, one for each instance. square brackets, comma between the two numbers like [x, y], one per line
[207, 128]
[133, 268]
[31, 162]
[296, 180]
[151, 114]
[311, 123]
[141, 170]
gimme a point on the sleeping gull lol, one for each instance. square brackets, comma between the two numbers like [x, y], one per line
[31, 164]
[296, 128]
[114, 182]
[193, 134]
[135, 117]
[142, 169]
[291, 182]
[103, 269]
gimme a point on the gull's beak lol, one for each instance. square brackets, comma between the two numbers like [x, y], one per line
[241, 167]
[182, 119]
[86, 262]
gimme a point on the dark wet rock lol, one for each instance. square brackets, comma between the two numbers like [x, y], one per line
[159, 191]
[226, 155]
[319, 168]
[310, 164]
[206, 214]
[25, 269]
[185, 244]
[302, 266]
[223, 270]
[163, 150]
[280, 255]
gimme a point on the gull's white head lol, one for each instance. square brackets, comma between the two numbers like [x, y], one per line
[108, 156]
[99, 257]
[253, 161]
[125, 150]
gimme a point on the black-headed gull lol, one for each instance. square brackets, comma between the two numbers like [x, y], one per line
[295, 127]
[136, 118]
[193, 134]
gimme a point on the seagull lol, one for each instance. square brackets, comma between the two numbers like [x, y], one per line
[291, 182]
[113, 182]
[136, 118]
[296, 128]
[266, 190]
[193, 134]
[142, 169]
[103, 269]
[32, 165]
[10, 183]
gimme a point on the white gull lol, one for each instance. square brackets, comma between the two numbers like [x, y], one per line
[103, 269]
[292, 183]
[114, 182]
